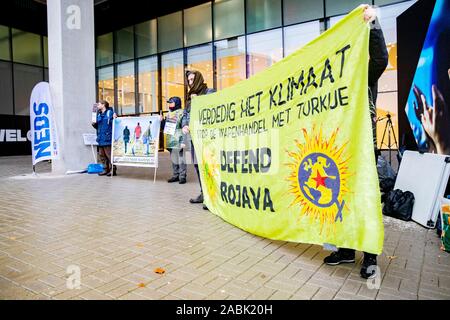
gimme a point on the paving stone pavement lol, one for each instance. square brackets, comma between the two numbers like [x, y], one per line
[116, 231]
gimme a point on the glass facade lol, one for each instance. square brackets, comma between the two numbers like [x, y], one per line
[229, 18]
[172, 76]
[298, 35]
[104, 50]
[124, 43]
[295, 11]
[334, 7]
[25, 78]
[263, 14]
[4, 43]
[170, 32]
[105, 84]
[197, 25]
[231, 60]
[6, 89]
[228, 41]
[23, 63]
[126, 100]
[148, 84]
[146, 36]
[263, 50]
[26, 47]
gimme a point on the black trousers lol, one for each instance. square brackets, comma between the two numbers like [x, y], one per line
[194, 160]
[352, 251]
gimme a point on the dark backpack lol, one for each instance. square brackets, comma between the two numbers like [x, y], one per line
[399, 204]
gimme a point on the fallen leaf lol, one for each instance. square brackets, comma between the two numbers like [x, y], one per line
[141, 285]
[392, 257]
[12, 238]
[160, 270]
[140, 245]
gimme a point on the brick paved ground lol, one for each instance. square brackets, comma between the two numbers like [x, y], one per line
[117, 231]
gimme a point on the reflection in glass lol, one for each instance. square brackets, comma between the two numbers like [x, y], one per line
[298, 11]
[229, 18]
[45, 39]
[6, 89]
[263, 14]
[170, 34]
[197, 25]
[298, 35]
[104, 51]
[148, 85]
[4, 43]
[264, 49]
[106, 85]
[334, 7]
[172, 76]
[25, 78]
[200, 59]
[146, 38]
[230, 62]
[125, 88]
[26, 47]
[124, 44]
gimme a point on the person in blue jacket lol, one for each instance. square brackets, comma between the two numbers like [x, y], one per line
[105, 117]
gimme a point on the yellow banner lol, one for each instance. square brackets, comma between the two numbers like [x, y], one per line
[288, 154]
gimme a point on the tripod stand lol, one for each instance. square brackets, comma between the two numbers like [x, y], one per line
[389, 128]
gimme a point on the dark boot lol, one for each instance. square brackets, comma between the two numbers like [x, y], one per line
[199, 199]
[173, 179]
[369, 266]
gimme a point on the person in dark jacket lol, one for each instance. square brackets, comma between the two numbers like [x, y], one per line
[126, 137]
[105, 116]
[174, 139]
[377, 64]
[197, 87]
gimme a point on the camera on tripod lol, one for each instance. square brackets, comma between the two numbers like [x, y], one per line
[389, 129]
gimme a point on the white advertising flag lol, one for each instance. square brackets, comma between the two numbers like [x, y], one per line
[44, 137]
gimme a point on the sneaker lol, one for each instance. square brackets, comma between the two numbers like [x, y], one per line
[104, 173]
[182, 181]
[369, 267]
[173, 179]
[199, 199]
[339, 257]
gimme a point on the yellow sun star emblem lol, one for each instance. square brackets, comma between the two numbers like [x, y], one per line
[210, 168]
[318, 178]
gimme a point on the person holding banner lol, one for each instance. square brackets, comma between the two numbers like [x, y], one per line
[378, 60]
[103, 125]
[197, 87]
[171, 125]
